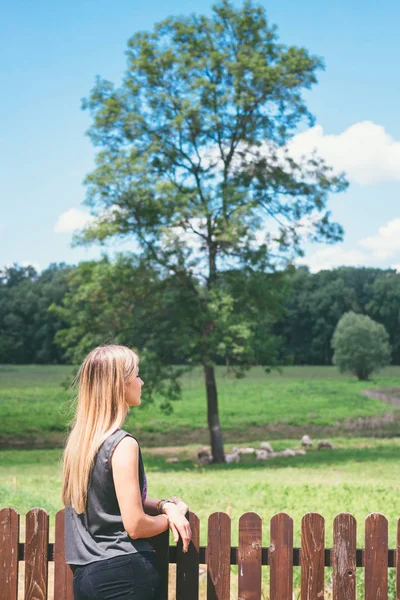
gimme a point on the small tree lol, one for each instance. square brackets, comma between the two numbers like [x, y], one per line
[360, 345]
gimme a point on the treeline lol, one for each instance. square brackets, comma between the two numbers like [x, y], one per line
[27, 327]
[44, 317]
[316, 302]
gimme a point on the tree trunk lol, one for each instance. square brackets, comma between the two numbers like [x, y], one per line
[362, 375]
[217, 445]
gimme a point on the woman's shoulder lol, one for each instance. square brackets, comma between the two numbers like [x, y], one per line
[121, 434]
[124, 449]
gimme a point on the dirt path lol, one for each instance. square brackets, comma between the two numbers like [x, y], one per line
[388, 395]
[387, 425]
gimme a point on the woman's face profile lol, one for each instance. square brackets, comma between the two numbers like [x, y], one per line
[133, 391]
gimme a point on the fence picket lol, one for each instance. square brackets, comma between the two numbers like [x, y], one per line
[249, 556]
[343, 558]
[218, 556]
[36, 549]
[376, 557]
[160, 544]
[397, 561]
[9, 536]
[187, 564]
[281, 557]
[312, 556]
[62, 572]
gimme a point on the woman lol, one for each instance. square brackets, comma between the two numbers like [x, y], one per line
[108, 516]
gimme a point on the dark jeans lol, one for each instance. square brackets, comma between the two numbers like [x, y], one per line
[126, 577]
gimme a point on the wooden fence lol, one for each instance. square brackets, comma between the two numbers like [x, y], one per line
[249, 555]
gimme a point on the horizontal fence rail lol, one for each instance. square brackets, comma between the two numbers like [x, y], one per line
[218, 555]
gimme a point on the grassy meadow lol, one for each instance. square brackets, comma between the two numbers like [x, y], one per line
[36, 409]
[361, 475]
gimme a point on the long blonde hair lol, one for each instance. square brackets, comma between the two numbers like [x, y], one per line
[101, 409]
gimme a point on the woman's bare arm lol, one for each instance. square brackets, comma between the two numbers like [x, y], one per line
[125, 464]
[150, 506]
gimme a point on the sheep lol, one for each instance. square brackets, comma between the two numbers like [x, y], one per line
[325, 444]
[262, 454]
[287, 452]
[266, 446]
[306, 441]
[232, 458]
[246, 450]
[238, 450]
[204, 456]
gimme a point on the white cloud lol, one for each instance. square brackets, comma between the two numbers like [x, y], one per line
[71, 220]
[334, 256]
[376, 250]
[365, 151]
[386, 242]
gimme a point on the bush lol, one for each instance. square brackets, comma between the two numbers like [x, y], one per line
[360, 345]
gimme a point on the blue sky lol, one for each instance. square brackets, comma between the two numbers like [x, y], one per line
[51, 53]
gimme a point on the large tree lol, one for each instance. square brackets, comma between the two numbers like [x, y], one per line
[194, 163]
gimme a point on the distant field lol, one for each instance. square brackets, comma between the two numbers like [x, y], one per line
[35, 407]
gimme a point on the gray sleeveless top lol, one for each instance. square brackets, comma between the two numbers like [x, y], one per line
[99, 533]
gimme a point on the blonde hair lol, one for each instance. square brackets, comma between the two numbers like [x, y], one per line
[101, 409]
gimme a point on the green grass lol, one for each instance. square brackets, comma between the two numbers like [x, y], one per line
[34, 405]
[362, 475]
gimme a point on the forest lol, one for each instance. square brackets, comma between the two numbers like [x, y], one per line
[53, 316]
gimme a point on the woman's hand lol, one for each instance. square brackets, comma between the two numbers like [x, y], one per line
[178, 524]
[183, 507]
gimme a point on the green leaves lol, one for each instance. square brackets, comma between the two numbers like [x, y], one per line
[361, 345]
[199, 128]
